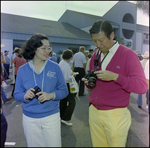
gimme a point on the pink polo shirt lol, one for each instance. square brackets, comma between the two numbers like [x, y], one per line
[108, 95]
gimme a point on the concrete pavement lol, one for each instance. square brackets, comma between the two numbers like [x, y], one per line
[78, 135]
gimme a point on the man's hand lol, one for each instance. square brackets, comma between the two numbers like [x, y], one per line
[85, 80]
[106, 75]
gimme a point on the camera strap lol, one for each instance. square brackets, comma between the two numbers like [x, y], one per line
[97, 63]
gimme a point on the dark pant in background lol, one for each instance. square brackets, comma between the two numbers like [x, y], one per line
[67, 106]
[12, 94]
[6, 71]
[78, 79]
[147, 96]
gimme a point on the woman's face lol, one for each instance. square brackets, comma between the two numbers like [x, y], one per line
[43, 51]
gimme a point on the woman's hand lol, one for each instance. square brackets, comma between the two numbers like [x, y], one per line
[30, 94]
[43, 96]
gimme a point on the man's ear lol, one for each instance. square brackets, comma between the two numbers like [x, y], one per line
[112, 35]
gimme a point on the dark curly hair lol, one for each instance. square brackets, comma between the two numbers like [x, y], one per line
[67, 54]
[31, 45]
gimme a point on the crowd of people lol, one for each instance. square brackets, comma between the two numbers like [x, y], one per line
[110, 73]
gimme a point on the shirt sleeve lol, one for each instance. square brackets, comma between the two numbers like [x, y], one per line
[14, 60]
[133, 79]
[20, 91]
[67, 72]
[84, 59]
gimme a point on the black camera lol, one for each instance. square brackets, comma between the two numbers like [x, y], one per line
[37, 89]
[91, 78]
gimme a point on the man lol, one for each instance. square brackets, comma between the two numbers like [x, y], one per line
[118, 73]
[86, 53]
[139, 98]
[6, 65]
[13, 68]
[79, 65]
[147, 79]
[91, 51]
[53, 56]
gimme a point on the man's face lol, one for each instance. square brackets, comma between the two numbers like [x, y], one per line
[102, 42]
[86, 54]
[91, 52]
[6, 53]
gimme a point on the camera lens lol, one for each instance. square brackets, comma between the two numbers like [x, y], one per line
[91, 81]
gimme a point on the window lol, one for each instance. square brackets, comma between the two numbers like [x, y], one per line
[128, 18]
[127, 33]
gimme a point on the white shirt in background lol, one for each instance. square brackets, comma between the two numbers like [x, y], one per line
[147, 70]
[79, 59]
[67, 72]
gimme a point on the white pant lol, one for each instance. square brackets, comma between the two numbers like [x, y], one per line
[42, 132]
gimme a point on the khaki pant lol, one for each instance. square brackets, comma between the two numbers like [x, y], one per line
[109, 128]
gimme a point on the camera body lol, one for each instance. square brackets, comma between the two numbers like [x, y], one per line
[37, 89]
[91, 78]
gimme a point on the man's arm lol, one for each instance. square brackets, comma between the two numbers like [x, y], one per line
[3, 58]
[147, 80]
[84, 66]
[73, 65]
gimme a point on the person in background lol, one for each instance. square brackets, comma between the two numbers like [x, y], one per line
[18, 61]
[91, 51]
[53, 57]
[6, 65]
[118, 72]
[71, 63]
[4, 124]
[139, 98]
[40, 85]
[88, 57]
[4, 96]
[147, 79]
[13, 68]
[79, 65]
[86, 53]
[67, 104]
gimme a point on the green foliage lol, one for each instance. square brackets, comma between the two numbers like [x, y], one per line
[58, 59]
[60, 52]
[120, 40]
[144, 6]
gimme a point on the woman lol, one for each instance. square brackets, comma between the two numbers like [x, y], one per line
[17, 62]
[4, 124]
[41, 117]
[67, 105]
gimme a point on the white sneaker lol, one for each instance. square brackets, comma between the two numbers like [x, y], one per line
[146, 106]
[67, 123]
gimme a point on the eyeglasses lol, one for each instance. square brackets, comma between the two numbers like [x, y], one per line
[44, 49]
